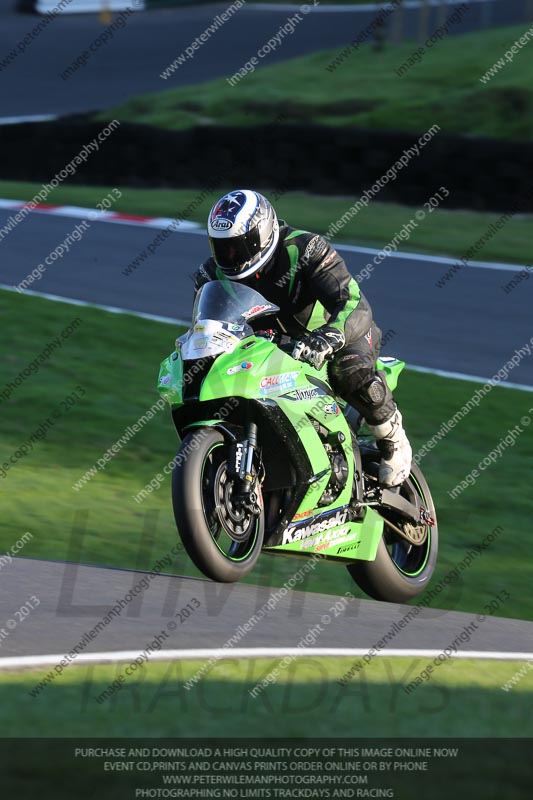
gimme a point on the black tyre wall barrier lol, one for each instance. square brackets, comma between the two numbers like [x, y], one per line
[481, 174]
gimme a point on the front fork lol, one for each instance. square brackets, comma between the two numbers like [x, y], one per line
[240, 464]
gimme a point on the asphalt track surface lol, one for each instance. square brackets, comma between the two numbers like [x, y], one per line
[470, 326]
[131, 62]
[74, 598]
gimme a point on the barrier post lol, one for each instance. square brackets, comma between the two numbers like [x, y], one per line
[105, 15]
[398, 24]
[423, 21]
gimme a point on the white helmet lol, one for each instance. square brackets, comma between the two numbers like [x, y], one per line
[243, 232]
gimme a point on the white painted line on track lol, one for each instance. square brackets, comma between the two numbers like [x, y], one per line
[219, 653]
[460, 376]
[28, 118]
[194, 228]
[112, 309]
[431, 259]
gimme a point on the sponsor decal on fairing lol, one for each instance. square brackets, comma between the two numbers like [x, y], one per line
[303, 394]
[277, 383]
[239, 367]
[256, 310]
[340, 538]
[225, 340]
[348, 547]
[294, 533]
[302, 515]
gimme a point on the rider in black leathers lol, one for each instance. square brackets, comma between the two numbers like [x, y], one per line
[321, 306]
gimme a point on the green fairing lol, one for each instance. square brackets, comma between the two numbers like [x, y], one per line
[354, 540]
[392, 368]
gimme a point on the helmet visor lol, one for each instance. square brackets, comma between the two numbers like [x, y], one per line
[235, 253]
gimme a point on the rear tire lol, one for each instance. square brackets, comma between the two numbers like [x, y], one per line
[400, 571]
[203, 521]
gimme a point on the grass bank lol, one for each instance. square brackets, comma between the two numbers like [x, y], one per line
[364, 90]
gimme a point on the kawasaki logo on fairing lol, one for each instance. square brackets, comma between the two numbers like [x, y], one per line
[295, 533]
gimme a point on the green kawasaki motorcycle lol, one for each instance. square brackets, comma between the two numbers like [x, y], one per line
[271, 460]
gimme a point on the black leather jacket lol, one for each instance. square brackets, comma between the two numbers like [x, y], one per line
[310, 283]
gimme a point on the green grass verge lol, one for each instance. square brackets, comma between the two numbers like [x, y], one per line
[443, 232]
[364, 91]
[115, 359]
[463, 699]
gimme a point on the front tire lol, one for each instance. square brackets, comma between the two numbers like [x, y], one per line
[222, 542]
[401, 571]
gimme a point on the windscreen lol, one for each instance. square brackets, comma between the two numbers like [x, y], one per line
[220, 318]
[230, 302]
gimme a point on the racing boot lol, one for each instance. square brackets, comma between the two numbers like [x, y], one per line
[396, 452]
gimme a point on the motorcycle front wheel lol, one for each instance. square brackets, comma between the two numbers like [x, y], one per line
[222, 540]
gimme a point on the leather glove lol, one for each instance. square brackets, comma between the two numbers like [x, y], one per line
[319, 345]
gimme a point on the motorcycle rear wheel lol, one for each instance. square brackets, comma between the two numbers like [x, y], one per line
[401, 571]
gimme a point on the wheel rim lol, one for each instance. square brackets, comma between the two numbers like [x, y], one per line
[233, 531]
[409, 559]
